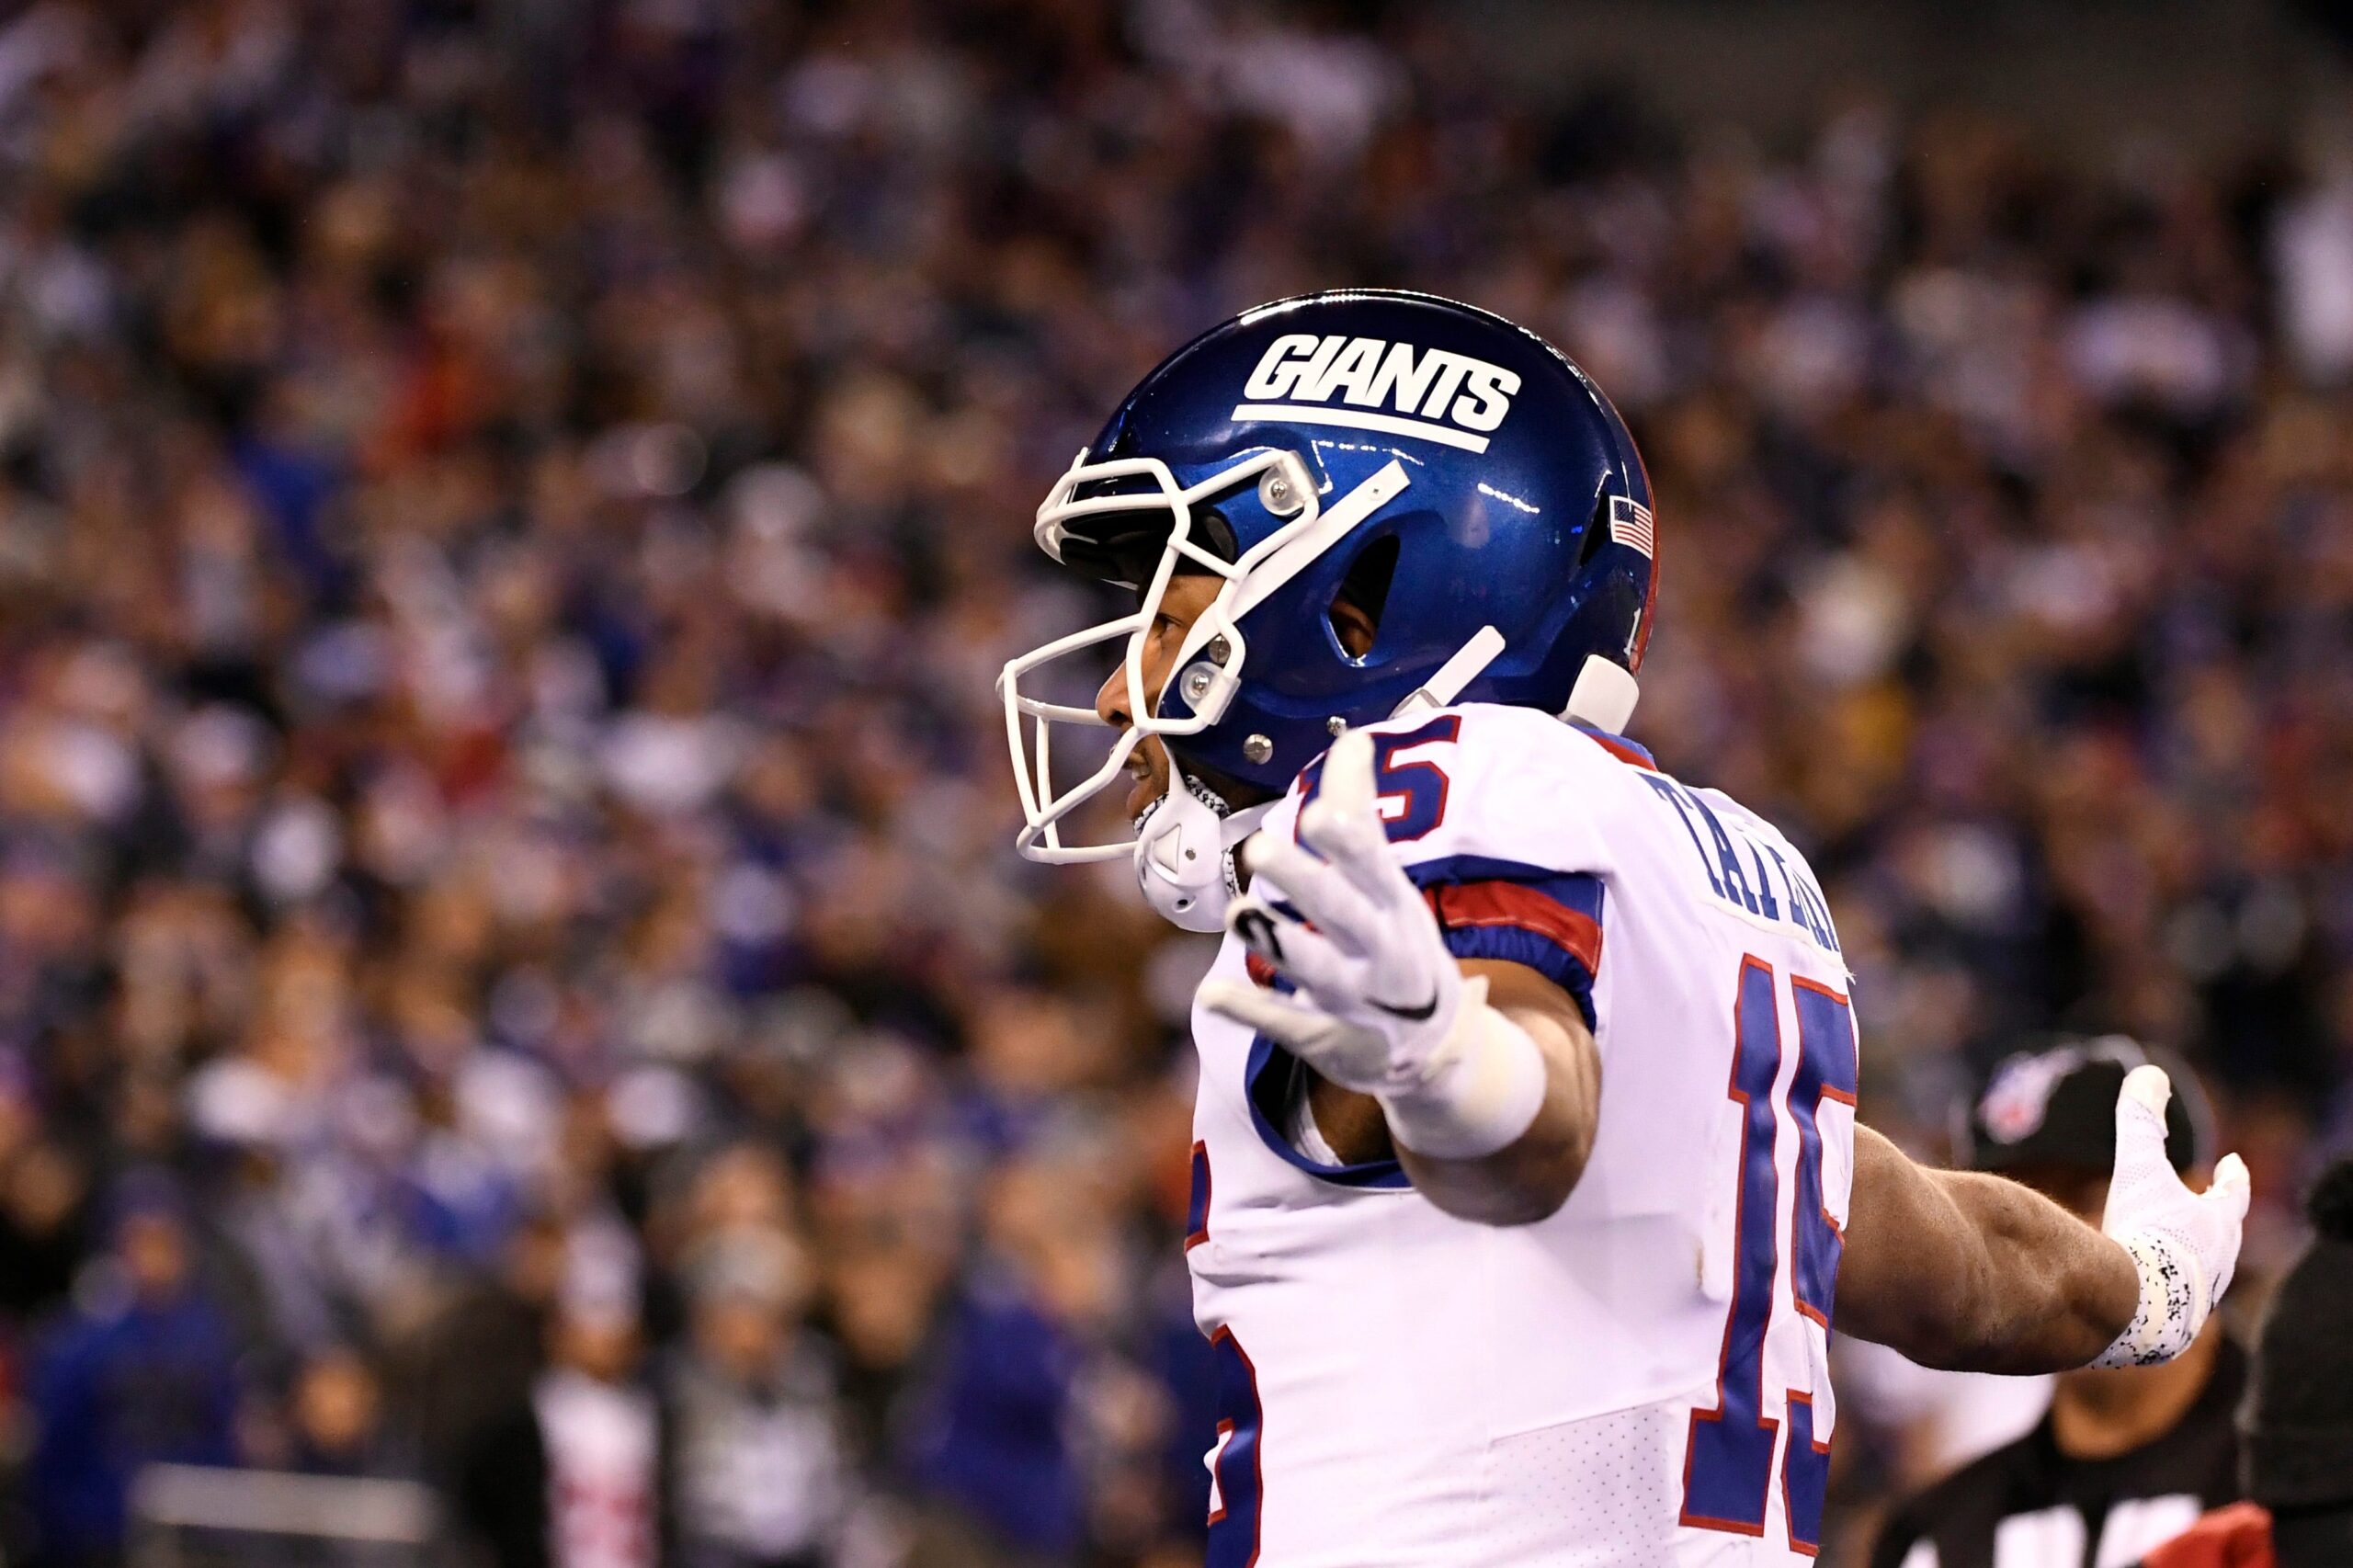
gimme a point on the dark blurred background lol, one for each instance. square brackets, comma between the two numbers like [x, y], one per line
[515, 1000]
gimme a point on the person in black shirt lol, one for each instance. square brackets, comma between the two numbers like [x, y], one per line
[2126, 1458]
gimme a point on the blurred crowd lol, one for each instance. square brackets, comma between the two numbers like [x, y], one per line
[512, 973]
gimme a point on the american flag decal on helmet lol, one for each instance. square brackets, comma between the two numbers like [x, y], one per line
[1630, 524]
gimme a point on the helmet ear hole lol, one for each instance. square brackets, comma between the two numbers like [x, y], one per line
[1355, 610]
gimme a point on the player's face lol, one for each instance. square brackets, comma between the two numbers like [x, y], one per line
[1186, 597]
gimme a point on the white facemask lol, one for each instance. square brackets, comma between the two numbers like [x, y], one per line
[1215, 651]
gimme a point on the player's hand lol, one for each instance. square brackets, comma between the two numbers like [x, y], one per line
[1377, 991]
[2185, 1244]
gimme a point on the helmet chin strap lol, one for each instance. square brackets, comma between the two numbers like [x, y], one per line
[1184, 852]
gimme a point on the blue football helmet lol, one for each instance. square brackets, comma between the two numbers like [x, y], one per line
[1466, 485]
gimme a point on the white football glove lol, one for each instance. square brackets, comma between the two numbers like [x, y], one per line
[2185, 1244]
[1382, 1007]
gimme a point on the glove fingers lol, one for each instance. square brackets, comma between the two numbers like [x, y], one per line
[1342, 823]
[1337, 908]
[1307, 957]
[2231, 1190]
[2148, 1084]
[2232, 1187]
[2141, 1117]
[1348, 785]
[1356, 846]
[1278, 1018]
[1349, 1056]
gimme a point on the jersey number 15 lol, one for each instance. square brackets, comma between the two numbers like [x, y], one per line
[1728, 1467]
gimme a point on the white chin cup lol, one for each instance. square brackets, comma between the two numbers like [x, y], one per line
[1184, 857]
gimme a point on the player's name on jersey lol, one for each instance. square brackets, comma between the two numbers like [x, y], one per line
[1746, 870]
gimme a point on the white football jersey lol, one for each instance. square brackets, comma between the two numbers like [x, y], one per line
[1639, 1379]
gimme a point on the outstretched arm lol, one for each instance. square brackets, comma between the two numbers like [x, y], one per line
[1957, 1269]
[1980, 1274]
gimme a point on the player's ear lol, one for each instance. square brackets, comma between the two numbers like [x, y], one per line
[1356, 608]
[1353, 627]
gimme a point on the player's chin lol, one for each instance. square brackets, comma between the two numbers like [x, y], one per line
[1142, 794]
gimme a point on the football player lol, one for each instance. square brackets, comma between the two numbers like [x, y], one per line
[1525, 1169]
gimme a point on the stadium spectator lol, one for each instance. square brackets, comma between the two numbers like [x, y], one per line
[992, 1437]
[44, 1196]
[337, 1420]
[760, 1475]
[573, 1477]
[473, 1360]
[144, 1373]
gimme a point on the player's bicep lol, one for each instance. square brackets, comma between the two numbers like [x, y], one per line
[1540, 1005]
[1556, 1021]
